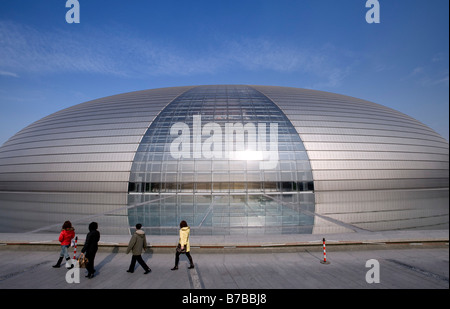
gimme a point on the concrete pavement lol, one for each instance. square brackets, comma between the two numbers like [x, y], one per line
[406, 260]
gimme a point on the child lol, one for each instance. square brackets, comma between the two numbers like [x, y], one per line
[65, 238]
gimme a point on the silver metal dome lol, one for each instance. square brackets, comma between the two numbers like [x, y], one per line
[340, 164]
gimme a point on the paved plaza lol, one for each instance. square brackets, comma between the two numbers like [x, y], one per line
[406, 260]
[409, 268]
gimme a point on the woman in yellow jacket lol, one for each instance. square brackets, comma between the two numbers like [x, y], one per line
[183, 245]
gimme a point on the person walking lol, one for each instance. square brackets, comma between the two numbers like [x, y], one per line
[138, 242]
[183, 245]
[65, 238]
[90, 248]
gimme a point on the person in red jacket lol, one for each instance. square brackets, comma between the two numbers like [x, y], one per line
[65, 238]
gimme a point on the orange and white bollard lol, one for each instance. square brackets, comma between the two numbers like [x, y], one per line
[324, 261]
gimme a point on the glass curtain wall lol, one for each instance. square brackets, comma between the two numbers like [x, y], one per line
[226, 160]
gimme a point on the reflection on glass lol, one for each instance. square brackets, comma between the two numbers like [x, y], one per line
[256, 187]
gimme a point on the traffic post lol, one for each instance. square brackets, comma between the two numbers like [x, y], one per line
[324, 261]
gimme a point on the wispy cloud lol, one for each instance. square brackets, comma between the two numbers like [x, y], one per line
[426, 76]
[263, 54]
[11, 74]
[434, 72]
[23, 49]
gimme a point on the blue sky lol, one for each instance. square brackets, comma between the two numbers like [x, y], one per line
[47, 64]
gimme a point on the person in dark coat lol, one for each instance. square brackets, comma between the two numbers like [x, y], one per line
[138, 242]
[90, 248]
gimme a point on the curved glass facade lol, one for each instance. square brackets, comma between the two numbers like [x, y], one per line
[225, 159]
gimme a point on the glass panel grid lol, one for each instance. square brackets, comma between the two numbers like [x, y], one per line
[220, 195]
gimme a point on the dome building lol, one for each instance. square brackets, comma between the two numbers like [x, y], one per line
[228, 159]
